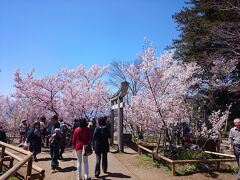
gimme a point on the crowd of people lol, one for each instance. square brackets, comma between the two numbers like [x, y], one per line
[57, 135]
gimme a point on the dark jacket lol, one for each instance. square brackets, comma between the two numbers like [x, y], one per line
[3, 136]
[55, 141]
[100, 136]
[54, 126]
[34, 138]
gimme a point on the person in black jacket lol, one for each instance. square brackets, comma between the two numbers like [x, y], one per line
[100, 136]
[35, 141]
[3, 136]
[76, 124]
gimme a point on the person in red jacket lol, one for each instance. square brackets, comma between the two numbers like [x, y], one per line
[82, 136]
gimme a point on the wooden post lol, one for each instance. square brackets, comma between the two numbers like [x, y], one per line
[173, 169]
[120, 125]
[139, 150]
[2, 156]
[218, 166]
[153, 156]
[112, 127]
[29, 169]
[11, 162]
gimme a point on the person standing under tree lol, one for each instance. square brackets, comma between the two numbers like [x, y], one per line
[101, 136]
[55, 143]
[63, 129]
[3, 136]
[35, 141]
[92, 126]
[43, 129]
[82, 136]
[234, 142]
[23, 130]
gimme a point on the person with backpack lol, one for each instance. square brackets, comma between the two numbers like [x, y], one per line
[82, 136]
[101, 136]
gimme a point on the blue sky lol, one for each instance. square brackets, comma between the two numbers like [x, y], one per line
[52, 34]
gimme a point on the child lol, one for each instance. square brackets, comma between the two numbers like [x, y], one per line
[55, 142]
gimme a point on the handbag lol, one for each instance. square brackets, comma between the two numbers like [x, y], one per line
[87, 150]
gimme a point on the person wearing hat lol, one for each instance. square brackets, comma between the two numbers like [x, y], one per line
[23, 131]
[34, 140]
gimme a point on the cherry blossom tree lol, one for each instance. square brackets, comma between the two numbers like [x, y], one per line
[84, 92]
[218, 118]
[165, 85]
[44, 92]
[3, 112]
[70, 93]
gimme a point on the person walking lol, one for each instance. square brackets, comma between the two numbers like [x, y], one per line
[55, 143]
[82, 136]
[92, 126]
[55, 123]
[63, 129]
[43, 129]
[100, 136]
[34, 140]
[234, 142]
[23, 130]
[76, 124]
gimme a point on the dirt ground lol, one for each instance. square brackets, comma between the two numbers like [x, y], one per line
[133, 163]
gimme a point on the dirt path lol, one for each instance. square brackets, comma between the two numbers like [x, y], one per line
[68, 168]
[121, 166]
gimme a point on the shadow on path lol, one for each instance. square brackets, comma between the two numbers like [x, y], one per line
[44, 159]
[116, 175]
[68, 169]
[69, 159]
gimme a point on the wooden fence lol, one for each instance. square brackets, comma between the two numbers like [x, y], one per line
[8, 156]
[173, 163]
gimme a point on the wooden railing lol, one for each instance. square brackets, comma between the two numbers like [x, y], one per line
[227, 158]
[13, 169]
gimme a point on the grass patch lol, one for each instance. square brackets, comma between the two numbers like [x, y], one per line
[146, 160]
[187, 169]
[13, 178]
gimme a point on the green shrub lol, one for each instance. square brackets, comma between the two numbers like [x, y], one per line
[192, 154]
[150, 139]
[186, 169]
